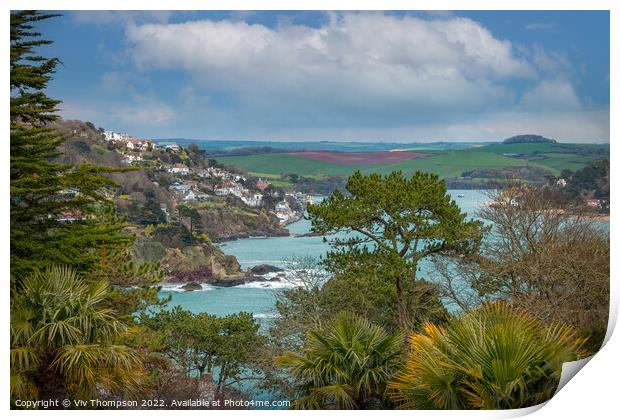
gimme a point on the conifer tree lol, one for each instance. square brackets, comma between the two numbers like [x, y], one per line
[392, 224]
[56, 209]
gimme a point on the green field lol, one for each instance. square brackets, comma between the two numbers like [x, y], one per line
[447, 164]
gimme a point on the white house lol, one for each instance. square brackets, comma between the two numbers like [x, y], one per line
[114, 136]
[133, 144]
[165, 145]
[252, 199]
[180, 187]
[179, 169]
[283, 212]
[129, 158]
[203, 173]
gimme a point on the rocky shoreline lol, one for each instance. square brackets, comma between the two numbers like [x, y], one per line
[255, 274]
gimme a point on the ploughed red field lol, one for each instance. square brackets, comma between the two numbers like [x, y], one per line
[354, 158]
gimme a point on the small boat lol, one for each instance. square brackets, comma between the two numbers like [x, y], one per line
[460, 195]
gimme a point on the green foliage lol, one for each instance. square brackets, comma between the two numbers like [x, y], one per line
[148, 213]
[592, 180]
[193, 218]
[364, 291]
[65, 342]
[345, 365]
[368, 291]
[30, 73]
[174, 235]
[390, 224]
[205, 344]
[528, 138]
[494, 357]
[135, 284]
[38, 185]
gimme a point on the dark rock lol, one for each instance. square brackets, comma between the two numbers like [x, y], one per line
[191, 287]
[233, 281]
[264, 269]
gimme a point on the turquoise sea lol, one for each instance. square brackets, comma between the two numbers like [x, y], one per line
[258, 298]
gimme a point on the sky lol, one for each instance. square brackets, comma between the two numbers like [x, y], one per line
[348, 76]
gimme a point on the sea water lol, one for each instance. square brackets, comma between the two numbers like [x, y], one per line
[259, 297]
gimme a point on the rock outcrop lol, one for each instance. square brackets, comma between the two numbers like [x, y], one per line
[190, 287]
[231, 220]
[264, 269]
[198, 263]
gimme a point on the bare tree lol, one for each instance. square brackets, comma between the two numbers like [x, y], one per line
[542, 255]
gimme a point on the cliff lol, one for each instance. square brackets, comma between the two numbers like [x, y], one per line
[228, 219]
[199, 262]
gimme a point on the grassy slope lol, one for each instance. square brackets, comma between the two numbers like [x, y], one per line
[446, 165]
[280, 163]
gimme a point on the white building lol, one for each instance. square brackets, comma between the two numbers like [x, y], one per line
[193, 195]
[283, 212]
[129, 159]
[165, 145]
[133, 144]
[179, 169]
[180, 187]
[114, 136]
[252, 199]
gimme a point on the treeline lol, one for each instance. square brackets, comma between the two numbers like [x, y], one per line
[317, 186]
[528, 138]
[592, 181]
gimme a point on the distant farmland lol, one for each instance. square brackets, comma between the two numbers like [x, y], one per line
[360, 158]
[447, 164]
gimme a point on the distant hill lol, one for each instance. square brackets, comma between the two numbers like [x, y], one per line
[528, 138]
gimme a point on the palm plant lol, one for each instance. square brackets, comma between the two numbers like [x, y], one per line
[494, 357]
[344, 365]
[65, 342]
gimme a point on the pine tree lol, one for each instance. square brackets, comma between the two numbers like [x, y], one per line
[44, 192]
[392, 224]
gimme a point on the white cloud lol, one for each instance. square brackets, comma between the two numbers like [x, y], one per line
[552, 95]
[145, 110]
[130, 113]
[360, 76]
[550, 62]
[366, 60]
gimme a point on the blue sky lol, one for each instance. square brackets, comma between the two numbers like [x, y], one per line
[372, 76]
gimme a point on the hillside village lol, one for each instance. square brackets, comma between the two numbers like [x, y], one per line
[180, 203]
[190, 180]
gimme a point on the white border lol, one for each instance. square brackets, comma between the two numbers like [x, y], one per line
[592, 394]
